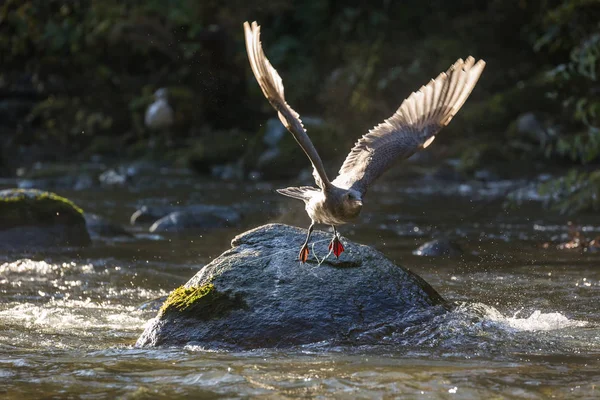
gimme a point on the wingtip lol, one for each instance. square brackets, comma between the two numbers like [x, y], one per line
[251, 26]
[479, 64]
[467, 64]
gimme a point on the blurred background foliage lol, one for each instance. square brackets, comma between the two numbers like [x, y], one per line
[76, 77]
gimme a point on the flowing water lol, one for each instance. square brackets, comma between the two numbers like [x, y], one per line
[527, 324]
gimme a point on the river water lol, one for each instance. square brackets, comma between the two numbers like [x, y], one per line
[527, 324]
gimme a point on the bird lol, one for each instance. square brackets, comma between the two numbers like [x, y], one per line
[411, 128]
[159, 114]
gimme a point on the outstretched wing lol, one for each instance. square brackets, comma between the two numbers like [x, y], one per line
[272, 87]
[411, 128]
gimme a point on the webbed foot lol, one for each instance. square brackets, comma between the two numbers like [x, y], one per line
[336, 246]
[303, 256]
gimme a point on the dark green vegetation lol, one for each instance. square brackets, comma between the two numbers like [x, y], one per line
[77, 76]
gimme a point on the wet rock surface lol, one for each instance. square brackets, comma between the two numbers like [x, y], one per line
[258, 295]
[149, 214]
[197, 217]
[99, 226]
[439, 248]
[48, 176]
[113, 177]
[32, 218]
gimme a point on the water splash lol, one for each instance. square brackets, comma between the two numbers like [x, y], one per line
[539, 321]
[74, 315]
[40, 268]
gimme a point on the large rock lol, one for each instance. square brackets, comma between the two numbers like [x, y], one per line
[32, 218]
[258, 295]
[197, 217]
[439, 248]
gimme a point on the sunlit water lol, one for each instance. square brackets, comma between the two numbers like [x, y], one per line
[525, 325]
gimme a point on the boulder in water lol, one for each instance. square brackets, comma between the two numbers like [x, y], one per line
[31, 218]
[257, 294]
[439, 248]
[197, 217]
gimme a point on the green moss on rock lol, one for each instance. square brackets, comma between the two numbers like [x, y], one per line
[183, 297]
[205, 302]
[31, 218]
[35, 207]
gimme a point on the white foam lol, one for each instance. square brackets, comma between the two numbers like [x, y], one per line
[74, 315]
[27, 266]
[539, 321]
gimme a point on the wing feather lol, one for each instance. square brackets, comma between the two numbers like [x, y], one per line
[413, 127]
[272, 87]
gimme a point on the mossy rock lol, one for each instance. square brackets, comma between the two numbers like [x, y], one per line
[258, 295]
[34, 218]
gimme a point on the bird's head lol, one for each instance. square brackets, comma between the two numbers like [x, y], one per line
[161, 94]
[352, 203]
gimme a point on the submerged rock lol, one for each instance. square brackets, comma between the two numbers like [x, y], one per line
[149, 214]
[34, 218]
[197, 217]
[100, 227]
[439, 247]
[50, 176]
[258, 295]
[113, 177]
[228, 172]
[69, 182]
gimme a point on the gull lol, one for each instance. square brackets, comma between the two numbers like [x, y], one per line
[412, 128]
[159, 114]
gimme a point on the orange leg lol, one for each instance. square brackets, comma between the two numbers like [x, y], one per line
[303, 256]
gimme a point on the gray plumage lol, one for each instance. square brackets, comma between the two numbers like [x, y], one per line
[272, 87]
[413, 127]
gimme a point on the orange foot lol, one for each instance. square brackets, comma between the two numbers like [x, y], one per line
[336, 246]
[303, 256]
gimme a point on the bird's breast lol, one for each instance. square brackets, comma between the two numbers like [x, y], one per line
[321, 212]
[159, 115]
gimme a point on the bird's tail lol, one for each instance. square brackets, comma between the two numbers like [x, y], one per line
[302, 192]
